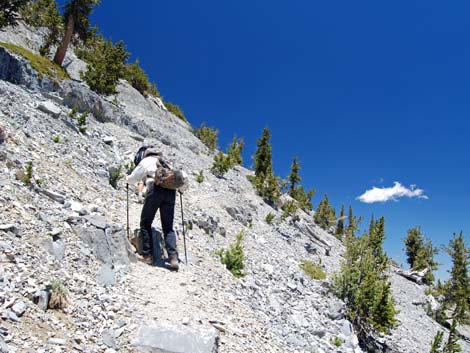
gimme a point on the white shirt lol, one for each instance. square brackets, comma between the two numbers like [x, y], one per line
[146, 168]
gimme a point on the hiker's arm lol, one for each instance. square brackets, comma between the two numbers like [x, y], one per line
[137, 175]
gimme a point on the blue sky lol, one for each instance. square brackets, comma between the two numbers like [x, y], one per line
[366, 93]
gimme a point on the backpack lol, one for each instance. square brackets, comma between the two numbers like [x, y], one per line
[140, 154]
[168, 177]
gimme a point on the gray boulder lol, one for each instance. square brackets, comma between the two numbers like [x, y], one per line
[158, 337]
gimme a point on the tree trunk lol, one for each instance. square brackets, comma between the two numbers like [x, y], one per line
[62, 49]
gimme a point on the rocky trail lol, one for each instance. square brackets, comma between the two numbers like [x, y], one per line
[70, 226]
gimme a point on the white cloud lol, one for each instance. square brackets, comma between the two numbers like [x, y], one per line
[391, 193]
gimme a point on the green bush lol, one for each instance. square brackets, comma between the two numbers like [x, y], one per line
[176, 110]
[289, 209]
[314, 271]
[42, 65]
[137, 77]
[153, 90]
[81, 121]
[105, 66]
[325, 215]
[338, 342]
[115, 176]
[269, 218]
[200, 177]
[56, 139]
[208, 136]
[234, 151]
[73, 113]
[234, 257]
[222, 164]
[58, 299]
[28, 175]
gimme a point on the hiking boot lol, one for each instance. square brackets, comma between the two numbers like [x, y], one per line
[174, 265]
[145, 259]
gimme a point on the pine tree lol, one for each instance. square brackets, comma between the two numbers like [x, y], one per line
[363, 284]
[222, 164]
[452, 346]
[76, 16]
[297, 191]
[414, 242]
[9, 12]
[458, 292]
[376, 239]
[294, 177]
[208, 136]
[235, 151]
[53, 22]
[325, 215]
[105, 66]
[437, 343]
[420, 253]
[263, 155]
[137, 77]
[340, 225]
[267, 185]
[353, 223]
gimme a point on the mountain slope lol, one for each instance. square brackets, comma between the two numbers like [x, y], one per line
[71, 226]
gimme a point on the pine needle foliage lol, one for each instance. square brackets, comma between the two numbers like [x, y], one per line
[115, 176]
[325, 215]
[208, 136]
[105, 65]
[235, 150]
[222, 164]
[137, 77]
[363, 284]
[176, 110]
[234, 257]
[458, 285]
[340, 225]
[28, 175]
[9, 12]
[265, 182]
[437, 343]
[297, 191]
[452, 345]
[420, 253]
[81, 121]
[200, 177]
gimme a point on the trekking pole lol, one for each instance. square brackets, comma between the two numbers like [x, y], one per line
[127, 190]
[184, 234]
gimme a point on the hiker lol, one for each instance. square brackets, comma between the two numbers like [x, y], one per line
[161, 196]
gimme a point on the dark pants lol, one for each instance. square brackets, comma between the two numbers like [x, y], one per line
[163, 199]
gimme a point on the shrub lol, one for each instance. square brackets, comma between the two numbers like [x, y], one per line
[289, 209]
[338, 342]
[235, 151]
[200, 177]
[81, 121]
[176, 110]
[222, 164]
[73, 113]
[208, 136]
[56, 139]
[314, 271]
[130, 167]
[28, 175]
[59, 293]
[105, 66]
[137, 77]
[234, 257]
[42, 65]
[115, 176]
[153, 90]
[269, 218]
